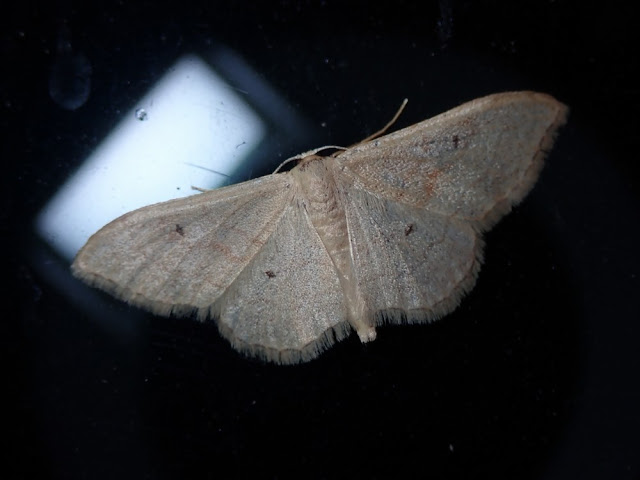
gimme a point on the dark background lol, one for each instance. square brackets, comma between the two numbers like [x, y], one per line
[534, 376]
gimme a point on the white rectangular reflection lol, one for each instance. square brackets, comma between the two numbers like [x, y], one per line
[189, 122]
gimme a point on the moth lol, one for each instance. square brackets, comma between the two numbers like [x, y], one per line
[387, 231]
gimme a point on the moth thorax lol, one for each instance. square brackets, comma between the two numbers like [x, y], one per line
[316, 180]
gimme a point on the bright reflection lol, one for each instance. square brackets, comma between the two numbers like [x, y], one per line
[191, 129]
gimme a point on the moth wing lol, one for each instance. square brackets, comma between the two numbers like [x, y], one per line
[246, 254]
[473, 162]
[180, 256]
[287, 305]
[410, 264]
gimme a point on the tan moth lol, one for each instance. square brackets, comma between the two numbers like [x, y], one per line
[387, 231]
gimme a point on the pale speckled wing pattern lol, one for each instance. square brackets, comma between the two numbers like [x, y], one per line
[410, 264]
[179, 256]
[473, 162]
[417, 200]
[287, 305]
[246, 255]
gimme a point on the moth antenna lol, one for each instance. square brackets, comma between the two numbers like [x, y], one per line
[386, 127]
[301, 156]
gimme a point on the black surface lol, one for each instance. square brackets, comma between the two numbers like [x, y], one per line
[534, 376]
